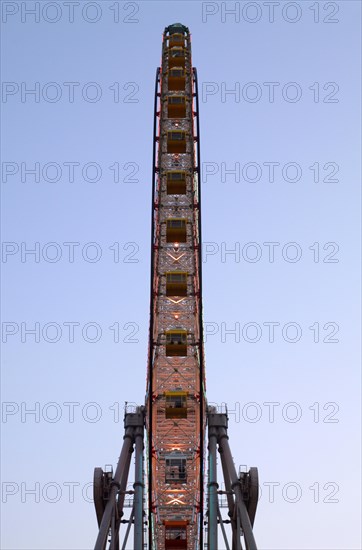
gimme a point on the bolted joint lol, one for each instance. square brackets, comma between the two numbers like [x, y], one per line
[115, 484]
[213, 484]
[138, 484]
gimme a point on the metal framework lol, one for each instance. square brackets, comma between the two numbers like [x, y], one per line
[168, 492]
[176, 320]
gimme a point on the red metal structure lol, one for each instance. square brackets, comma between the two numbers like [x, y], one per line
[175, 402]
[168, 495]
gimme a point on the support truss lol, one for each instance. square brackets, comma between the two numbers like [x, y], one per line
[109, 491]
[241, 490]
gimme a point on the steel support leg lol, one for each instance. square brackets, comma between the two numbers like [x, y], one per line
[138, 491]
[107, 515]
[226, 542]
[123, 485]
[235, 485]
[134, 423]
[131, 519]
[213, 487]
[237, 509]
[235, 525]
[229, 496]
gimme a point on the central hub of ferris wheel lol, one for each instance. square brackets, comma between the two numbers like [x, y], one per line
[175, 497]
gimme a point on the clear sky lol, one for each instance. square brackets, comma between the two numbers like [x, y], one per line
[289, 373]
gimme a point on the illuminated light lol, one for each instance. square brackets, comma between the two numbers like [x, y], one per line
[176, 259]
[175, 501]
[170, 503]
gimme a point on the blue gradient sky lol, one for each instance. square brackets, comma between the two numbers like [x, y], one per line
[317, 451]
